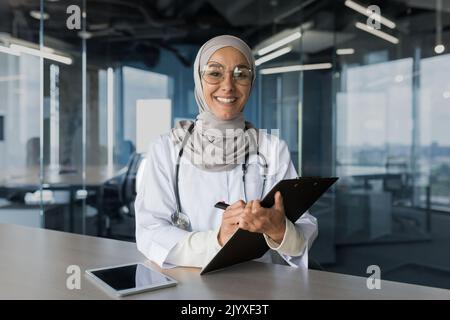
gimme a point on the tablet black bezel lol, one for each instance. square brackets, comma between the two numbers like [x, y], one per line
[124, 292]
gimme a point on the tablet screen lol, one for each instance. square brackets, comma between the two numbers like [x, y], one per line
[131, 277]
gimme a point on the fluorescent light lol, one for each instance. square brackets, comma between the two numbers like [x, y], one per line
[37, 15]
[446, 94]
[299, 67]
[280, 43]
[9, 51]
[44, 53]
[439, 48]
[363, 10]
[273, 55]
[378, 33]
[345, 51]
[47, 49]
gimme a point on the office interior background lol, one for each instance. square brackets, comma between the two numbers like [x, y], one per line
[366, 101]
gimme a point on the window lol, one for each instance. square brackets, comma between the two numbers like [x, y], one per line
[374, 118]
[434, 156]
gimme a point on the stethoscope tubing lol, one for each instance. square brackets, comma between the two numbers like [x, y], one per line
[176, 215]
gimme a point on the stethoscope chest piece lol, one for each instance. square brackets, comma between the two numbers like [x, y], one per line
[181, 220]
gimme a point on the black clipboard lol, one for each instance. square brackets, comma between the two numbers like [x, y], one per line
[298, 196]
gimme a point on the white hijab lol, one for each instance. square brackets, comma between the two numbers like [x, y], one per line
[216, 144]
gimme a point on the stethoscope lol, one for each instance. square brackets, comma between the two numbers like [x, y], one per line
[180, 219]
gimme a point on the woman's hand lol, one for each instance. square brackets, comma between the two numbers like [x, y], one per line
[270, 221]
[230, 221]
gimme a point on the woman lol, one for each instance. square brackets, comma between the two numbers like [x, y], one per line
[176, 221]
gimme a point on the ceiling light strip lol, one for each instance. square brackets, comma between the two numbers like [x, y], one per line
[304, 67]
[39, 53]
[363, 10]
[378, 33]
[294, 36]
[273, 55]
[345, 51]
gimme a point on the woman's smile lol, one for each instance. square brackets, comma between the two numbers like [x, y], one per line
[226, 100]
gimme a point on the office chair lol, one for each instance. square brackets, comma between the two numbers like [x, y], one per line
[118, 201]
[128, 191]
[126, 150]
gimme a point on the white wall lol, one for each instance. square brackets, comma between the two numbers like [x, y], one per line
[140, 85]
[153, 117]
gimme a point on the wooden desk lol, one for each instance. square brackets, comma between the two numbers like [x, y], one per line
[33, 264]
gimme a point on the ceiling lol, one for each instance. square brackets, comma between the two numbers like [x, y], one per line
[139, 29]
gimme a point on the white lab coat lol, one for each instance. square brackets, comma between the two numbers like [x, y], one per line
[200, 190]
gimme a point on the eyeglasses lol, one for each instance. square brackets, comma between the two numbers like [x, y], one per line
[214, 73]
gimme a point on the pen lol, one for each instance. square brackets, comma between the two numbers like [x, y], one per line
[221, 205]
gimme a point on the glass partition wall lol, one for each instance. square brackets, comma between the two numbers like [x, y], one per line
[42, 118]
[366, 100]
[65, 110]
[384, 123]
[20, 123]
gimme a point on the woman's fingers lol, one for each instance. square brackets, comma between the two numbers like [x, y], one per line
[231, 220]
[246, 223]
[279, 201]
[243, 223]
[237, 204]
[256, 206]
[243, 214]
[232, 213]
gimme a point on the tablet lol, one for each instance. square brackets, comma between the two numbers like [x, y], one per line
[128, 279]
[298, 196]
